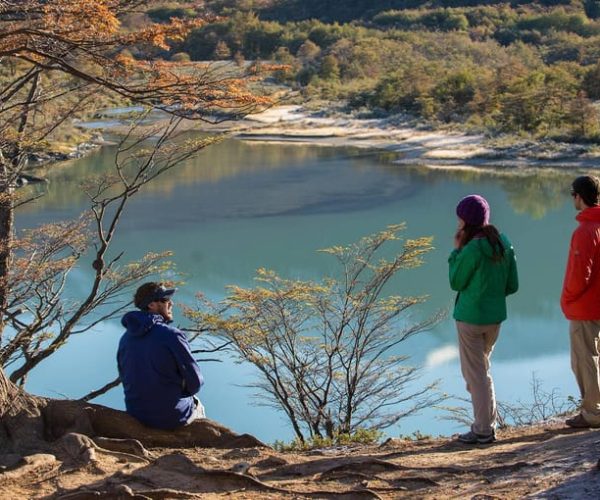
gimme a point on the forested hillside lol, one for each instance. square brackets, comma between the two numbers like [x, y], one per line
[348, 10]
[530, 67]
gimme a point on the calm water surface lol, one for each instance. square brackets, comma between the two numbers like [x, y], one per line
[241, 206]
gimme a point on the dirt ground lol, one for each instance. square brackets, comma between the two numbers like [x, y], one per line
[543, 461]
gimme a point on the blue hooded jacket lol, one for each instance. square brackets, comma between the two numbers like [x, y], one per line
[158, 372]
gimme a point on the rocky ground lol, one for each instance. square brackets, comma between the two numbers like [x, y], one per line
[542, 461]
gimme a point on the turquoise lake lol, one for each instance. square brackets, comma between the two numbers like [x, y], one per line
[244, 205]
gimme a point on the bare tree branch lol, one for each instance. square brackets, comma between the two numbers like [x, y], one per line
[326, 352]
[104, 389]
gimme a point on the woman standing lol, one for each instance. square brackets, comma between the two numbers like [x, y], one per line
[483, 271]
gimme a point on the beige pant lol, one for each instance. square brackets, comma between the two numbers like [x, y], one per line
[476, 343]
[585, 352]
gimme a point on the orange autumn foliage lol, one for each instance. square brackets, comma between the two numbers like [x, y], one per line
[84, 39]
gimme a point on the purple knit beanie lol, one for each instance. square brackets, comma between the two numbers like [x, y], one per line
[474, 210]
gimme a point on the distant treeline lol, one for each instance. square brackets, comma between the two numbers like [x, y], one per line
[349, 10]
[522, 66]
[364, 10]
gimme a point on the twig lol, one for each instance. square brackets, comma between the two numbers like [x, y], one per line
[102, 390]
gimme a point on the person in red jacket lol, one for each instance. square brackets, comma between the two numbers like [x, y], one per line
[580, 300]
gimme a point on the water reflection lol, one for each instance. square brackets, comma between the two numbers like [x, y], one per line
[213, 164]
[529, 191]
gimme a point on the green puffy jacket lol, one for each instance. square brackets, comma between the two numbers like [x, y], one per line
[481, 282]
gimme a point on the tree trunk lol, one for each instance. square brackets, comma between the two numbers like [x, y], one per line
[21, 423]
[7, 392]
[6, 236]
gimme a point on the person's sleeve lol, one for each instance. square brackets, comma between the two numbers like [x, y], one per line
[192, 379]
[580, 265]
[512, 284]
[119, 368]
[462, 265]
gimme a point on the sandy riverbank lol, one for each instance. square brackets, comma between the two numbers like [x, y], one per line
[434, 149]
[413, 145]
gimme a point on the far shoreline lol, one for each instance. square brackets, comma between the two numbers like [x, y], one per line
[434, 149]
[413, 145]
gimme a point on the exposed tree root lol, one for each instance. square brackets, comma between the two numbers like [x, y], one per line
[363, 464]
[29, 465]
[66, 416]
[130, 446]
[122, 491]
[82, 448]
[206, 480]
[179, 469]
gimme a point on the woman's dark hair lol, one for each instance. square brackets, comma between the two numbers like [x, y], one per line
[489, 232]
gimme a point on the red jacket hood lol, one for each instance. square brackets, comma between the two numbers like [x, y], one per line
[591, 214]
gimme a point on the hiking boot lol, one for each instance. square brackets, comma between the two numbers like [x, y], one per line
[578, 422]
[474, 438]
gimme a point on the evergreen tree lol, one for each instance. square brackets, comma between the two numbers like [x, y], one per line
[222, 51]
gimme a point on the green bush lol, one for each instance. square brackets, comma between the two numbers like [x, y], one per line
[440, 19]
[180, 57]
[164, 14]
[361, 436]
[559, 20]
[591, 82]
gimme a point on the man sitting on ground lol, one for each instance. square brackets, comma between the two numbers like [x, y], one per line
[156, 366]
